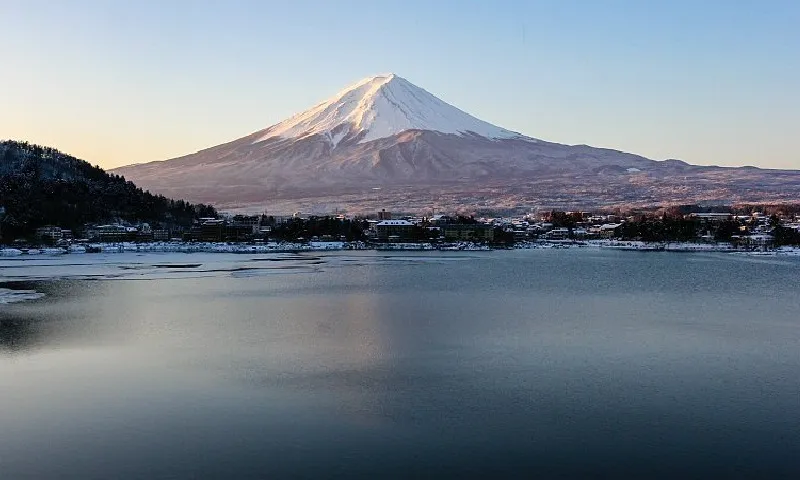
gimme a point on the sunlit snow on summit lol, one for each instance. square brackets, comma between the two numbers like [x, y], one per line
[382, 106]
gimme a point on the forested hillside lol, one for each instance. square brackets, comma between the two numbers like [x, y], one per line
[42, 186]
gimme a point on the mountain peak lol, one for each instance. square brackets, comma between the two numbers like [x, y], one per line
[373, 81]
[378, 107]
[387, 77]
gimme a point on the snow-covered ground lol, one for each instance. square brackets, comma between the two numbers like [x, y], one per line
[778, 252]
[288, 247]
[271, 247]
[634, 245]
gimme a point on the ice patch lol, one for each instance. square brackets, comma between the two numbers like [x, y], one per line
[144, 266]
[15, 296]
[633, 170]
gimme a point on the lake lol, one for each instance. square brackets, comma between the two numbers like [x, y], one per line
[445, 364]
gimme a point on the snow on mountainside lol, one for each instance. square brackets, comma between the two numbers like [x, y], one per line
[379, 107]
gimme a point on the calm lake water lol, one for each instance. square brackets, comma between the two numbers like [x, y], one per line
[512, 364]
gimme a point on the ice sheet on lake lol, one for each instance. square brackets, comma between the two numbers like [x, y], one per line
[152, 266]
[14, 296]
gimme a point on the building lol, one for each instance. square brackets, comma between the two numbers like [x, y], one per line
[145, 236]
[536, 229]
[239, 232]
[49, 234]
[762, 240]
[111, 233]
[468, 232]
[384, 215]
[395, 230]
[439, 220]
[712, 217]
[580, 232]
[222, 230]
[605, 230]
[251, 222]
[212, 230]
[560, 233]
[263, 232]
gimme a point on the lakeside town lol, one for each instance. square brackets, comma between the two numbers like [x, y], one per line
[742, 229]
[52, 203]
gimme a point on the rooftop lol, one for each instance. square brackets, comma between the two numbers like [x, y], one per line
[394, 222]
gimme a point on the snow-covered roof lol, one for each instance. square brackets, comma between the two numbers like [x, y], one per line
[609, 226]
[712, 215]
[385, 223]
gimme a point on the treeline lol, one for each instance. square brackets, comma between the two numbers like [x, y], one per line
[786, 236]
[332, 228]
[328, 227]
[662, 229]
[41, 186]
[666, 228]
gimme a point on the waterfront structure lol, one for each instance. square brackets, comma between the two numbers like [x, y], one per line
[211, 230]
[394, 230]
[560, 233]
[712, 217]
[470, 232]
[111, 233]
[49, 234]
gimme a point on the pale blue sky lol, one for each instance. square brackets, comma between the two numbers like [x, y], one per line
[118, 82]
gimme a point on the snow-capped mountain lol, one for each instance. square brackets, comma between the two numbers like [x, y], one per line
[380, 107]
[384, 142]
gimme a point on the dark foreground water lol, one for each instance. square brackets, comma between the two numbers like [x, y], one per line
[512, 364]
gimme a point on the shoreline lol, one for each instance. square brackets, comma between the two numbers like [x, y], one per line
[295, 247]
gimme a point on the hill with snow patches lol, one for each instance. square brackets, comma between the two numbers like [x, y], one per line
[384, 142]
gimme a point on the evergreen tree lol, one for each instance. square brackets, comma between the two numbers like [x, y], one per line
[41, 186]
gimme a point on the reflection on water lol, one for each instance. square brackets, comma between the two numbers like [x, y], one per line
[17, 334]
[504, 364]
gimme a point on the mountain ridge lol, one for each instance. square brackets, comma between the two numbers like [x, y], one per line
[385, 133]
